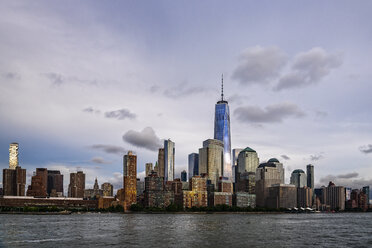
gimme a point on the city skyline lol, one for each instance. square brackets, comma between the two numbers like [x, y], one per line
[76, 96]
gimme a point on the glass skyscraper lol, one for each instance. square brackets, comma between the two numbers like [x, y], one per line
[222, 132]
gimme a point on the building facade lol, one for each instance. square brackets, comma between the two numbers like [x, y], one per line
[198, 195]
[148, 168]
[39, 183]
[130, 180]
[310, 176]
[107, 189]
[247, 161]
[14, 181]
[267, 174]
[77, 185]
[161, 169]
[55, 183]
[169, 160]
[282, 196]
[183, 176]
[222, 133]
[298, 178]
[193, 165]
[13, 156]
[211, 160]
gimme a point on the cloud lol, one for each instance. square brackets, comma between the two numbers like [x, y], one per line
[11, 75]
[366, 149]
[270, 114]
[285, 157]
[347, 180]
[91, 110]
[99, 160]
[259, 65]
[308, 68]
[55, 78]
[182, 90]
[145, 139]
[316, 157]
[120, 114]
[109, 149]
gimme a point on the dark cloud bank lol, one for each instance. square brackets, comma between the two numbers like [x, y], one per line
[144, 139]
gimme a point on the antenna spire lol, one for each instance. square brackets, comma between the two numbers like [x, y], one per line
[222, 87]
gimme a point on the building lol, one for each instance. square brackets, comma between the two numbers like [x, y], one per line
[130, 180]
[223, 194]
[55, 183]
[155, 194]
[222, 132]
[176, 187]
[198, 195]
[77, 185]
[148, 168]
[310, 176]
[14, 181]
[366, 191]
[161, 168]
[59, 202]
[298, 178]
[13, 155]
[211, 160]
[107, 189]
[244, 200]
[140, 187]
[193, 165]
[267, 174]
[39, 183]
[246, 182]
[169, 160]
[304, 197]
[235, 154]
[333, 196]
[279, 167]
[184, 176]
[95, 192]
[247, 161]
[282, 196]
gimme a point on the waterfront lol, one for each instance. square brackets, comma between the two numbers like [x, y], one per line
[187, 230]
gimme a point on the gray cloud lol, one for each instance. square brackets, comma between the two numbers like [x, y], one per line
[91, 110]
[55, 78]
[109, 149]
[99, 160]
[11, 75]
[270, 114]
[145, 139]
[347, 180]
[259, 65]
[182, 90]
[309, 68]
[285, 157]
[316, 157]
[120, 114]
[366, 149]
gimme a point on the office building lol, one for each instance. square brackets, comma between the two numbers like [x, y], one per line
[140, 187]
[222, 132]
[107, 189]
[198, 195]
[211, 160]
[310, 176]
[246, 182]
[184, 176]
[55, 183]
[267, 174]
[161, 169]
[77, 185]
[334, 196]
[235, 154]
[193, 165]
[247, 161]
[244, 200]
[366, 191]
[169, 160]
[298, 178]
[148, 168]
[13, 155]
[155, 194]
[282, 196]
[279, 167]
[304, 197]
[14, 181]
[130, 179]
[39, 183]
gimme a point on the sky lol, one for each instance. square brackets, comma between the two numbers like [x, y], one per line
[83, 82]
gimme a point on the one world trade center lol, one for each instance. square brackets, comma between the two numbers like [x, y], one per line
[222, 132]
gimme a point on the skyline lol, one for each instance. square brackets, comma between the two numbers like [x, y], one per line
[83, 84]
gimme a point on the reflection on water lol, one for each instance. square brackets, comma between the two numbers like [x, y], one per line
[187, 230]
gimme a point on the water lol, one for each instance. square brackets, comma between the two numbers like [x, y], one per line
[187, 230]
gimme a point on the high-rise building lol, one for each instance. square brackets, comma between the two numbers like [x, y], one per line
[366, 191]
[155, 194]
[198, 195]
[148, 168]
[267, 174]
[222, 132]
[161, 169]
[13, 155]
[130, 180]
[310, 176]
[247, 161]
[108, 189]
[235, 154]
[193, 165]
[39, 183]
[14, 181]
[334, 196]
[282, 196]
[169, 159]
[55, 183]
[77, 185]
[304, 197]
[298, 178]
[279, 167]
[211, 160]
[183, 176]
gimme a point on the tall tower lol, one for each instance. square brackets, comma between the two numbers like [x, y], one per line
[13, 155]
[310, 176]
[130, 180]
[169, 155]
[222, 132]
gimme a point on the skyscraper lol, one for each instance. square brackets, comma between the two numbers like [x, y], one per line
[160, 162]
[310, 176]
[55, 182]
[169, 156]
[211, 160]
[247, 161]
[130, 180]
[77, 185]
[193, 165]
[148, 169]
[222, 132]
[183, 176]
[39, 183]
[298, 178]
[13, 155]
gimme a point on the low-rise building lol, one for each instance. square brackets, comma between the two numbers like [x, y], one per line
[282, 196]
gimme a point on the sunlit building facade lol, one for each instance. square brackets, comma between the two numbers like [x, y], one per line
[13, 155]
[169, 157]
